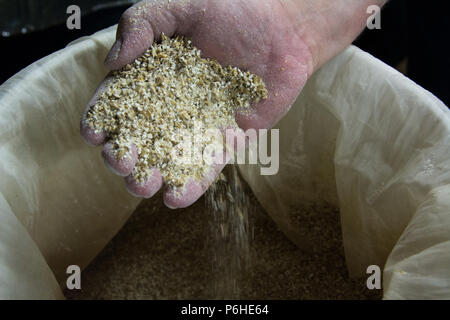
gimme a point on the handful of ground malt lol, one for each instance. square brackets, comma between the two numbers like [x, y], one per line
[170, 90]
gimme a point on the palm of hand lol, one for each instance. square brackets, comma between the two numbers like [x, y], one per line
[250, 34]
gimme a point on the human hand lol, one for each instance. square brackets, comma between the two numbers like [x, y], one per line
[263, 37]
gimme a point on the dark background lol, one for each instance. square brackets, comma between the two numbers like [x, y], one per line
[414, 35]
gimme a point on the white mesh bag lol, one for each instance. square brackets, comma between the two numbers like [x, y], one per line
[360, 137]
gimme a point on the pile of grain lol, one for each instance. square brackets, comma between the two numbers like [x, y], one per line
[164, 254]
[164, 96]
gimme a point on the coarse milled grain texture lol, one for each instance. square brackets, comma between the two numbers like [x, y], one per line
[164, 254]
[166, 95]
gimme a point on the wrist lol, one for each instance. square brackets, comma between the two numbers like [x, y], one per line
[328, 27]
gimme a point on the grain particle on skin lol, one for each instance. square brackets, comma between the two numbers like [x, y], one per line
[168, 91]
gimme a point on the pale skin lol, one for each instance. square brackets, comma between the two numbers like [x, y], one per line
[282, 41]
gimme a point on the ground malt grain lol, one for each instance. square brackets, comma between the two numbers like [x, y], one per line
[163, 254]
[163, 96]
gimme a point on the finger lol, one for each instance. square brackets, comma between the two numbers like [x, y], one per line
[120, 166]
[147, 188]
[183, 197]
[87, 132]
[140, 25]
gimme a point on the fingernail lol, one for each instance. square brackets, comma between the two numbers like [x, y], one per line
[114, 52]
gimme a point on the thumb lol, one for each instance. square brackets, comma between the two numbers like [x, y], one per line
[134, 36]
[143, 23]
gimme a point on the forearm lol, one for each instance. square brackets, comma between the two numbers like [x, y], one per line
[328, 26]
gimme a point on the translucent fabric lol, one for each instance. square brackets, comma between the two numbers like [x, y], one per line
[361, 137]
